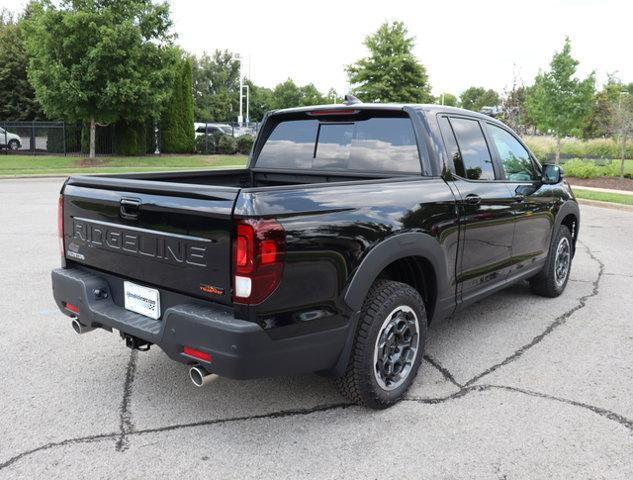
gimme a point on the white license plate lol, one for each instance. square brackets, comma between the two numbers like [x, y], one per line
[143, 300]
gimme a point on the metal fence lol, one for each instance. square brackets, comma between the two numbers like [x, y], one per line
[72, 139]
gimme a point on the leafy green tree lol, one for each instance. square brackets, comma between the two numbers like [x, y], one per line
[391, 72]
[18, 97]
[447, 99]
[559, 102]
[261, 101]
[600, 122]
[216, 85]
[622, 123]
[100, 60]
[288, 94]
[177, 123]
[474, 98]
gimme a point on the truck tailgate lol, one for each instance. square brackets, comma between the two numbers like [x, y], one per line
[178, 239]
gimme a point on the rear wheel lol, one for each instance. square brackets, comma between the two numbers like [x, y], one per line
[552, 280]
[388, 347]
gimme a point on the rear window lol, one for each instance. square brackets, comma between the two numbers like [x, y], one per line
[370, 144]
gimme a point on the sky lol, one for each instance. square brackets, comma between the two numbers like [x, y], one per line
[462, 43]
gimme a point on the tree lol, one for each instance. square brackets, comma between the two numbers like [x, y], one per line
[558, 102]
[513, 108]
[177, 123]
[100, 61]
[623, 124]
[288, 94]
[17, 94]
[391, 72]
[600, 122]
[261, 101]
[216, 85]
[447, 99]
[474, 98]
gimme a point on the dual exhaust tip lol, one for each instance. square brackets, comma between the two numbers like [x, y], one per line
[198, 375]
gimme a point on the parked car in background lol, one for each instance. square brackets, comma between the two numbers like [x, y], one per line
[9, 140]
[213, 128]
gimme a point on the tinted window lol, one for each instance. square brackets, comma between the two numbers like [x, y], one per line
[373, 144]
[473, 149]
[515, 159]
[451, 146]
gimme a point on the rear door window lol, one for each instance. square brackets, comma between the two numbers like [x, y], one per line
[473, 149]
[375, 144]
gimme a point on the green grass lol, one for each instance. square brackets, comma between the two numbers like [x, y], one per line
[48, 164]
[603, 196]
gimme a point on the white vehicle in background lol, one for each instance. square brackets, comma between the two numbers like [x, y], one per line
[213, 128]
[10, 140]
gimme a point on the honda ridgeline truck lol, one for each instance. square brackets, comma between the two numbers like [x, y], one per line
[351, 229]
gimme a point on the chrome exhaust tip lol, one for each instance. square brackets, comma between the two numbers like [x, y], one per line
[199, 376]
[80, 328]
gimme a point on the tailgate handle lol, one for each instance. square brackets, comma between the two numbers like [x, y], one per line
[130, 208]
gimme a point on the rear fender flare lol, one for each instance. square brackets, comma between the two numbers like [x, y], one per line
[394, 248]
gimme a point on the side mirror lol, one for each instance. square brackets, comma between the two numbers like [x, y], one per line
[552, 174]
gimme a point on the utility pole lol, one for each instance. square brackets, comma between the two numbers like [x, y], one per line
[240, 117]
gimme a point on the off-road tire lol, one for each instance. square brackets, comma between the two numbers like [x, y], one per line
[359, 383]
[545, 282]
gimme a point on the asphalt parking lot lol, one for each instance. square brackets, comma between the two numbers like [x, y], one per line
[516, 387]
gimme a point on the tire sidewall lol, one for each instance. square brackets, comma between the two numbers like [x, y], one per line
[563, 232]
[14, 145]
[403, 297]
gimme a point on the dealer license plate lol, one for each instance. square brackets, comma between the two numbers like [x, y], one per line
[143, 300]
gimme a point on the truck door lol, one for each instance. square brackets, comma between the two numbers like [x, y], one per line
[531, 203]
[486, 222]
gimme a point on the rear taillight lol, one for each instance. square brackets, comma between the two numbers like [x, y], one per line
[60, 224]
[258, 258]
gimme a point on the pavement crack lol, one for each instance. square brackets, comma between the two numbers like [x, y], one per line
[558, 321]
[131, 432]
[603, 412]
[125, 413]
[443, 370]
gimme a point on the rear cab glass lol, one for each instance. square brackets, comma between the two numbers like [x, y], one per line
[364, 142]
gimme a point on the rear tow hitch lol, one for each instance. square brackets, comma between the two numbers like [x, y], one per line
[136, 343]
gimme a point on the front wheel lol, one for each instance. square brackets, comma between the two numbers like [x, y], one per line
[388, 347]
[552, 280]
[14, 145]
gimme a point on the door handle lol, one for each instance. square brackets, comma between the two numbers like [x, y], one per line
[472, 199]
[519, 198]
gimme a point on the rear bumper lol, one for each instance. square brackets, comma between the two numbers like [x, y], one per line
[238, 348]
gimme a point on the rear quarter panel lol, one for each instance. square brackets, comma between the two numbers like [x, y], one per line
[329, 231]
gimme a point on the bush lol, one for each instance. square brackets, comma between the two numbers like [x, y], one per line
[55, 140]
[129, 138]
[226, 144]
[245, 143]
[606, 148]
[579, 168]
[177, 128]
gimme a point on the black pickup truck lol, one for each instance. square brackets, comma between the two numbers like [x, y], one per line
[352, 227]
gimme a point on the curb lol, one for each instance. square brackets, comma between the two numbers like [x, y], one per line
[609, 205]
[605, 190]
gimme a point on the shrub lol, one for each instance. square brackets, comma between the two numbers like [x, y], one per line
[226, 144]
[129, 138]
[205, 144]
[55, 140]
[245, 143]
[581, 168]
[177, 129]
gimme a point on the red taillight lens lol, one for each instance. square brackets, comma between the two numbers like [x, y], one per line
[259, 249]
[60, 224]
[193, 352]
[72, 308]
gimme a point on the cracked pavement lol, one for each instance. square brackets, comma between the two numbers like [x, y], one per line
[517, 386]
